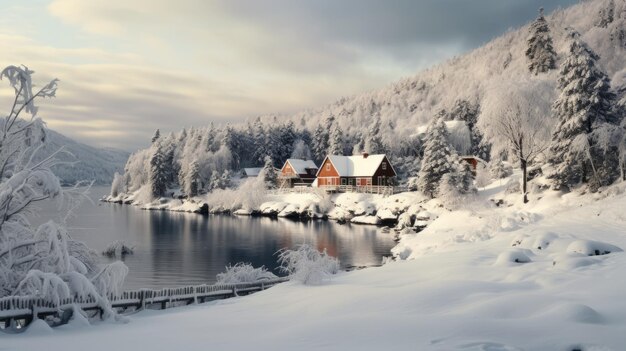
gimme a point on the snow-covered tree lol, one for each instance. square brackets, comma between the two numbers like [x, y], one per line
[498, 169]
[158, 172]
[117, 186]
[215, 182]
[373, 141]
[226, 180]
[156, 136]
[582, 148]
[540, 53]
[606, 15]
[43, 261]
[437, 160]
[193, 183]
[515, 118]
[301, 150]
[269, 174]
[336, 145]
[321, 138]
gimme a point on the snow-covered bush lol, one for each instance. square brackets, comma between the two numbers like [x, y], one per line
[117, 186]
[499, 169]
[118, 248]
[307, 265]
[43, 261]
[244, 273]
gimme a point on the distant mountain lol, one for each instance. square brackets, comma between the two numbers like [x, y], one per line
[97, 164]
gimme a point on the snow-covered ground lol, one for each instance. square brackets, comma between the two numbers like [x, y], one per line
[508, 277]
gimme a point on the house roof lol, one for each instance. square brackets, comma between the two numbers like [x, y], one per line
[357, 165]
[300, 166]
[252, 172]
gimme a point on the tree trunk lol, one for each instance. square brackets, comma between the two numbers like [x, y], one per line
[524, 180]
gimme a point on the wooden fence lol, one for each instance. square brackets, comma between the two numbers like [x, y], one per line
[367, 189]
[18, 311]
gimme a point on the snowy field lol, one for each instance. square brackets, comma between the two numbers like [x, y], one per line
[512, 277]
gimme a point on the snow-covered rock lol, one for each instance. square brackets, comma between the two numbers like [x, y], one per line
[513, 256]
[592, 248]
[366, 219]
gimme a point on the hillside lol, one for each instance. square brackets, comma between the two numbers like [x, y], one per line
[392, 118]
[92, 163]
[413, 101]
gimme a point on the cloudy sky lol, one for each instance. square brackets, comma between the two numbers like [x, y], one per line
[128, 67]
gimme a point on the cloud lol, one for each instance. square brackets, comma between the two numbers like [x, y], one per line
[129, 67]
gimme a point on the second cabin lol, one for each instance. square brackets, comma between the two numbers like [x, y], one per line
[296, 172]
[358, 171]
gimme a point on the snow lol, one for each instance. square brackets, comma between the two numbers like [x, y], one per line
[458, 288]
[252, 172]
[301, 166]
[356, 166]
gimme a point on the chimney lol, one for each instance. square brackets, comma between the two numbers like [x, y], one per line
[365, 154]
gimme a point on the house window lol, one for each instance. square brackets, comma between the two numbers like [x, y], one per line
[384, 166]
[369, 181]
[328, 166]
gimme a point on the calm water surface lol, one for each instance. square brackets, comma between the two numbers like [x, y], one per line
[173, 249]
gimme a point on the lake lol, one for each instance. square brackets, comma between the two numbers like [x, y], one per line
[176, 249]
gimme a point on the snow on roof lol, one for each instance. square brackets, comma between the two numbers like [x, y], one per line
[252, 172]
[301, 166]
[357, 165]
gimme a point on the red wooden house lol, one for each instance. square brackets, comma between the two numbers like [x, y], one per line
[296, 172]
[360, 171]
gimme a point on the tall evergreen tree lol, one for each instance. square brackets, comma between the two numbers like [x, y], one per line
[210, 139]
[193, 181]
[320, 143]
[373, 142]
[337, 144]
[158, 173]
[269, 174]
[157, 135]
[581, 148]
[437, 160]
[540, 52]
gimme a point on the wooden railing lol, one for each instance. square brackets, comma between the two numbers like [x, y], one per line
[368, 189]
[18, 311]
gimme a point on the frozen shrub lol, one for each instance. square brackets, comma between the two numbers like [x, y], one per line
[118, 248]
[499, 169]
[307, 265]
[244, 273]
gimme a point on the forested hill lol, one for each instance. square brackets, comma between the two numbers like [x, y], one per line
[91, 164]
[390, 120]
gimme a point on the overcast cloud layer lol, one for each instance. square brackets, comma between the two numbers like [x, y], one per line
[128, 67]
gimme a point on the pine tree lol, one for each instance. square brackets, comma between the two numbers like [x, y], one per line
[320, 143]
[259, 141]
[540, 52]
[606, 15]
[269, 174]
[210, 139]
[158, 173]
[373, 142]
[193, 179]
[437, 160]
[157, 135]
[214, 181]
[226, 180]
[580, 150]
[337, 145]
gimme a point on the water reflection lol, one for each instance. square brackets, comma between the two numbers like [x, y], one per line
[180, 249]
